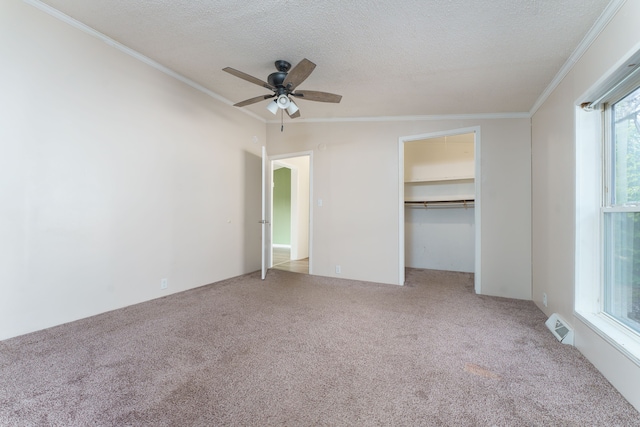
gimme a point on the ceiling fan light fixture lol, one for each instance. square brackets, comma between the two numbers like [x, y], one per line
[292, 108]
[273, 107]
[283, 101]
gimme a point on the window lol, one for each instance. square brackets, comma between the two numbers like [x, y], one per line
[607, 264]
[621, 211]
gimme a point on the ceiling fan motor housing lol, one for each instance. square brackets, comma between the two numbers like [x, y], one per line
[277, 79]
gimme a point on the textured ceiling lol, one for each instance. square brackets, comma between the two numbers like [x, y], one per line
[387, 58]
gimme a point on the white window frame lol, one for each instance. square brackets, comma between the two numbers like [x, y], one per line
[608, 205]
[592, 181]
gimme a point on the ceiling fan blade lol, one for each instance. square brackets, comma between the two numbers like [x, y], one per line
[298, 74]
[253, 100]
[294, 115]
[247, 77]
[314, 95]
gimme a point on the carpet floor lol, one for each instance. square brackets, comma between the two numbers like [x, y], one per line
[303, 350]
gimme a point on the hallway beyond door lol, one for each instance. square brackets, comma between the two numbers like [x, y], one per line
[282, 261]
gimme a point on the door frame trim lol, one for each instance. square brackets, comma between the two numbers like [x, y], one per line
[477, 210]
[309, 154]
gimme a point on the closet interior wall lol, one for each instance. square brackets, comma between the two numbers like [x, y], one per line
[439, 203]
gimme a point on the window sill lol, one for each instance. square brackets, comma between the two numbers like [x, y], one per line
[625, 341]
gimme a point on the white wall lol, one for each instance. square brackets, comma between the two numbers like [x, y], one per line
[356, 175]
[553, 182]
[439, 158]
[440, 239]
[113, 175]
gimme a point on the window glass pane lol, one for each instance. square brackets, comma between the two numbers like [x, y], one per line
[626, 150]
[622, 267]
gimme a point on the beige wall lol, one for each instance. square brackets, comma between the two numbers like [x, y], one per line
[113, 176]
[356, 174]
[553, 183]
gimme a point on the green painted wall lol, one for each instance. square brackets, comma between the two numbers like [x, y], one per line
[282, 206]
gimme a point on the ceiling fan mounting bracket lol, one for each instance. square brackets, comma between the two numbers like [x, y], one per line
[282, 65]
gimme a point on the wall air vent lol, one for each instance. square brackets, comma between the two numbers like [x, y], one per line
[560, 329]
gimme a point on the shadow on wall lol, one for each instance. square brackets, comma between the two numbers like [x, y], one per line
[252, 211]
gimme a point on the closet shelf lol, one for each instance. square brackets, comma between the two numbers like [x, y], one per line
[458, 203]
[441, 179]
[440, 198]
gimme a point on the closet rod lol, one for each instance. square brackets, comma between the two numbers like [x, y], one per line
[467, 203]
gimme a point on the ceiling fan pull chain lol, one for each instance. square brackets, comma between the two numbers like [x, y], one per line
[281, 120]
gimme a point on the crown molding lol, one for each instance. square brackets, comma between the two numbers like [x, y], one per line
[593, 33]
[137, 55]
[439, 117]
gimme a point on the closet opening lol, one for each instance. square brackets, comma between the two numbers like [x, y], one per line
[440, 203]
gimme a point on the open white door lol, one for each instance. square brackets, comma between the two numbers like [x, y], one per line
[266, 194]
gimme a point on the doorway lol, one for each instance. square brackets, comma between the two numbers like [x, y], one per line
[440, 221]
[291, 213]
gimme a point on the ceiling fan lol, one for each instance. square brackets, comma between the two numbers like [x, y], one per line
[283, 84]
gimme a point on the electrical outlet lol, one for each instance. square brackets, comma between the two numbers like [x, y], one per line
[544, 299]
[338, 269]
[164, 283]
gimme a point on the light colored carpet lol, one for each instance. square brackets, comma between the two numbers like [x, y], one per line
[305, 350]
